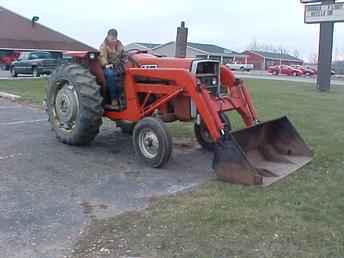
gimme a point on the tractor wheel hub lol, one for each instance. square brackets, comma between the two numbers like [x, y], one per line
[149, 143]
[67, 106]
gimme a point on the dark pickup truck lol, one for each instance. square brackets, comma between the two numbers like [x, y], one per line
[34, 63]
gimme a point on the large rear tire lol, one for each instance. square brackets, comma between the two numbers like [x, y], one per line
[152, 142]
[202, 135]
[74, 104]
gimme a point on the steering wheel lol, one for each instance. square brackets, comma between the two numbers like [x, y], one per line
[136, 51]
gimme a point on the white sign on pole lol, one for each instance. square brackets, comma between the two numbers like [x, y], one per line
[309, 1]
[324, 13]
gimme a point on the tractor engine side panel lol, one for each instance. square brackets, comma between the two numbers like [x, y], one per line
[182, 108]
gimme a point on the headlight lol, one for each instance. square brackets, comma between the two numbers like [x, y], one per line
[214, 81]
[198, 82]
[92, 56]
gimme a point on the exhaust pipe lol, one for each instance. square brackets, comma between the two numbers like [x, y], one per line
[262, 154]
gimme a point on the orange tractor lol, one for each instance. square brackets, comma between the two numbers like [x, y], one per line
[157, 90]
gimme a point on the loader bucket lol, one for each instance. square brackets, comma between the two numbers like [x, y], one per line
[262, 154]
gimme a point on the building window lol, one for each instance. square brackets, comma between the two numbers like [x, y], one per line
[202, 57]
[218, 58]
[227, 60]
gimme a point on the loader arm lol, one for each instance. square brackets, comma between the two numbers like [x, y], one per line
[184, 82]
[238, 96]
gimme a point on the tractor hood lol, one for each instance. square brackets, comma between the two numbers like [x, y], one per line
[143, 60]
[152, 61]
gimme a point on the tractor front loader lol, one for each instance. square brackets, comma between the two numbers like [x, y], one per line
[157, 90]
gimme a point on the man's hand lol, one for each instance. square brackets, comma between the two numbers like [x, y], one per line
[109, 66]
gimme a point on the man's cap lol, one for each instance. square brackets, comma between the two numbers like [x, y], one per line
[113, 32]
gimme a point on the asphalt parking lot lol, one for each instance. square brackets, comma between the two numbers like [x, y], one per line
[249, 75]
[49, 192]
[4, 74]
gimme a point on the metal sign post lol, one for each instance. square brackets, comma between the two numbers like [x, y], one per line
[325, 56]
[326, 13]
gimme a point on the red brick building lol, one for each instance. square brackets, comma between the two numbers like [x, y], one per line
[262, 60]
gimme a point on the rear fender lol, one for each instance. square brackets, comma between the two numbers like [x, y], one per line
[90, 60]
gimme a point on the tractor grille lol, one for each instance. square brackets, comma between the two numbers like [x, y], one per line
[211, 83]
[207, 73]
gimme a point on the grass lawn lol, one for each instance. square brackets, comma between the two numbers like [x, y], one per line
[31, 91]
[301, 216]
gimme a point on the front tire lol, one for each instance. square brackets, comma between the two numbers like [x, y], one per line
[204, 138]
[13, 72]
[152, 142]
[35, 72]
[74, 105]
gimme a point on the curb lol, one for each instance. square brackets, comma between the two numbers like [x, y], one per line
[6, 95]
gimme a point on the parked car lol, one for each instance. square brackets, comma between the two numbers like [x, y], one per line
[306, 70]
[34, 63]
[284, 69]
[241, 67]
[67, 59]
[7, 59]
[333, 72]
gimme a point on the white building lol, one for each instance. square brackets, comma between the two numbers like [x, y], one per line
[194, 50]
[141, 46]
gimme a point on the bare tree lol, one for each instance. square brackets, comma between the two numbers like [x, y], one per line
[296, 53]
[338, 54]
[261, 46]
[313, 58]
[253, 45]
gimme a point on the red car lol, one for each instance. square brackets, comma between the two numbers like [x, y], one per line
[6, 60]
[308, 71]
[284, 69]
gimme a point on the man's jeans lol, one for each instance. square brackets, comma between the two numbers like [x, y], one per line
[113, 79]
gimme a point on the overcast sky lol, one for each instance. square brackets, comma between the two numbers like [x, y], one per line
[229, 23]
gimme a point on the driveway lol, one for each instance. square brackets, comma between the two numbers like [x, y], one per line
[4, 74]
[49, 192]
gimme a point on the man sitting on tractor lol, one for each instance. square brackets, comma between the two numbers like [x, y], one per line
[112, 57]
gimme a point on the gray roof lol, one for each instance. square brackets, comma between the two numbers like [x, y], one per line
[18, 32]
[210, 48]
[271, 55]
[148, 45]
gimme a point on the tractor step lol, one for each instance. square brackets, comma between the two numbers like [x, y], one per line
[262, 154]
